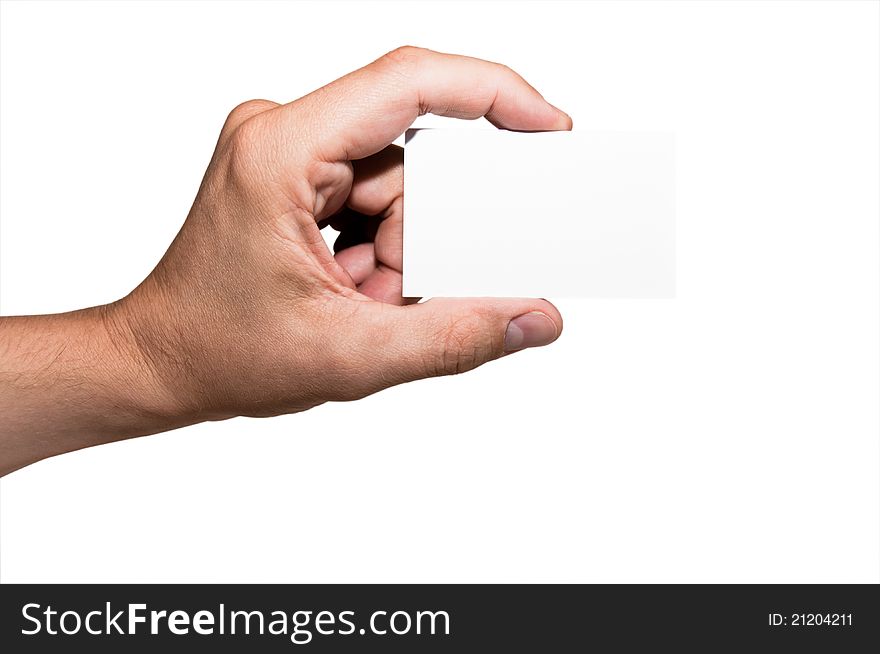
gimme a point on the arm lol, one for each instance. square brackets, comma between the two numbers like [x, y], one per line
[72, 380]
[248, 313]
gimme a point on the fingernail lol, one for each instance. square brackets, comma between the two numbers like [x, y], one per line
[532, 329]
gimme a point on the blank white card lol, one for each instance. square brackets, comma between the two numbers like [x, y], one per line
[547, 214]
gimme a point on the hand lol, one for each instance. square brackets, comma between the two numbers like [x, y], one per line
[248, 313]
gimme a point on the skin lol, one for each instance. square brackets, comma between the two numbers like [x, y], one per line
[248, 313]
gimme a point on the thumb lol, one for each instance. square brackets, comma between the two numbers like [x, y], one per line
[446, 336]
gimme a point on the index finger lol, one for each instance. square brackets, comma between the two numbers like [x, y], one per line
[364, 111]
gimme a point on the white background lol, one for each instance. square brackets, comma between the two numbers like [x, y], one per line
[730, 434]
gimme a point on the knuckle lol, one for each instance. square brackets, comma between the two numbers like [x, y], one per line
[245, 147]
[459, 346]
[249, 109]
[404, 57]
[247, 135]
[508, 74]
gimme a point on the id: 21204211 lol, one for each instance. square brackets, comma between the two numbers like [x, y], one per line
[810, 620]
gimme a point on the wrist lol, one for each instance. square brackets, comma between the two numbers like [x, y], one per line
[131, 377]
[149, 373]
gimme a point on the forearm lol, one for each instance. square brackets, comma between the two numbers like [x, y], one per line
[73, 380]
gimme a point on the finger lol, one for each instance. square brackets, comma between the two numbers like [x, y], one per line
[377, 182]
[373, 278]
[361, 113]
[447, 336]
[377, 189]
[383, 284]
[358, 261]
[374, 215]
